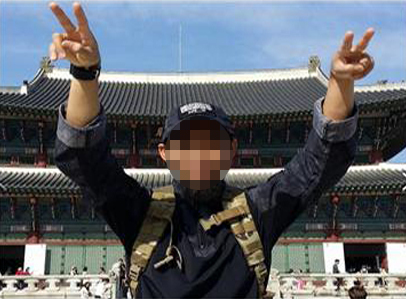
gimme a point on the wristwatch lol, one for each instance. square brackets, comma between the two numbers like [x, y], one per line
[85, 73]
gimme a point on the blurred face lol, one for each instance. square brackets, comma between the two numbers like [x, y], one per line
[199, 153]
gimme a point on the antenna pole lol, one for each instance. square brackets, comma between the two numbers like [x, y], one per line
[180, 47]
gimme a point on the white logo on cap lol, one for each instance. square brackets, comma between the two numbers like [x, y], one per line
[195, 108]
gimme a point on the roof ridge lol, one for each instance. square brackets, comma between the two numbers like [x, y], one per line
[380, 86]
[233, 171]
[195, 77]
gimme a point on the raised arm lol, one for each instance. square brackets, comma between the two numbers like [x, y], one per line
[79, 46]
[328, 153]
[82, 151]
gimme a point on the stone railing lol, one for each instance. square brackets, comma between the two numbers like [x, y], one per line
[49, 286]
[325, 285]
[286, 285]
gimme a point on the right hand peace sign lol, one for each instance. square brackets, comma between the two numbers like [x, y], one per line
[78, 45]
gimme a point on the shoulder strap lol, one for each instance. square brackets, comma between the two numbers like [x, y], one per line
[237, 213]
[234, 206]
[159, 214]
[248, 237]
[164, 193]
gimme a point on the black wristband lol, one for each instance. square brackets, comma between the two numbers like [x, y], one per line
[85, 73]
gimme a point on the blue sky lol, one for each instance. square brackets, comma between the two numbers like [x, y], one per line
[216, 36]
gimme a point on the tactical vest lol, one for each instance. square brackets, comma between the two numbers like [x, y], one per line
[236, 212]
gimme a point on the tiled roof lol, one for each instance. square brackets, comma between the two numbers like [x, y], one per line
[383, 177]
[241, 94]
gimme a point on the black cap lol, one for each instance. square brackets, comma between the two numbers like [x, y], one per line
[196, 110]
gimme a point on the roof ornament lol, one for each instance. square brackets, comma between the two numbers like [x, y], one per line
[314, 63]
[46, 65]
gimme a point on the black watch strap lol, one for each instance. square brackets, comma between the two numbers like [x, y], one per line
[85, 73]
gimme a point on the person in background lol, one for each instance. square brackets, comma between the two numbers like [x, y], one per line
[98, 293]
[73, 270]
[102, 271]
[118, 272]
[336, 270]
[107, 289]
[335, 266]
[103, 289]
[84, 272]
[382, 280]
[20, 283]
[357, 291]
[300, 282]
[19, 271]
[116, 268]
[85, 291]
[126, 290]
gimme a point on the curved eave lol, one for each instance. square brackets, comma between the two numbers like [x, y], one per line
[375, 179]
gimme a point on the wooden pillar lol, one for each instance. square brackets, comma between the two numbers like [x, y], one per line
[73, 207]
[3, 130]
[13, 208]
[53, 214]
[22, 130]
[354, 206]
[92, 211]
[115, 131]
[335, 200]
[34, 220]
[149, 131]
[376, 207]
[269, 131]
[41, 156]
[287, 139]
[307, 129]
[33, 236]
[377, 141]
[134, 157]
[250, 123]
[360, 128]
[396, 205]
[236, 159]
[158, 137]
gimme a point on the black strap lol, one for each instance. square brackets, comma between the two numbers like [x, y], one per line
[85, 73]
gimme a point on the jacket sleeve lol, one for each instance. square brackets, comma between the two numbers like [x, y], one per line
[84, 155]
[328, 153]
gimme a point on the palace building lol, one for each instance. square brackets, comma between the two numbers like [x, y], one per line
[272, 111]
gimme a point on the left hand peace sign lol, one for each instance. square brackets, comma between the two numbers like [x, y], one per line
[352, 62]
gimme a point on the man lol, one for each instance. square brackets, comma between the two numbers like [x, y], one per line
[85, 291]
[103, 289]
[210, 263]
[117, 267]
[336, 270]
[118, 272]
[73, 271]
[335, 266]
